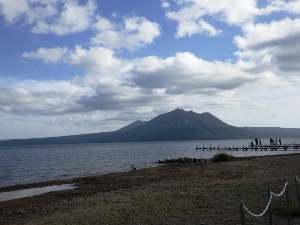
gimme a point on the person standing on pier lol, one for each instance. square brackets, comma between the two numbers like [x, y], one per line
[280, 141]
[256, 141]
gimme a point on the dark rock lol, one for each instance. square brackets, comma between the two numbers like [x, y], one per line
[182, 160]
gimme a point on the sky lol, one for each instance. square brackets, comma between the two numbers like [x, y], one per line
[82, 66]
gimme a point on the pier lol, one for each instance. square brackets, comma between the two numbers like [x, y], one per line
[284, 147]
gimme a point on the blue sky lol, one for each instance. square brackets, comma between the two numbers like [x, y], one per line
[82, 66]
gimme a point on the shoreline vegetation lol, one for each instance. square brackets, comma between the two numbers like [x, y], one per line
[187, 191]
[220, 157]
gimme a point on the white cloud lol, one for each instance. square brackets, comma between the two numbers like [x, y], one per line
[186, 74]
[103, 25]
[190, 23]
[65, 87]
[192, 15]
[165, 4]
[261, 34]
[73, 18]
[48, 55]
[97, 60]
[276, 44]
[191, 27]
[24, 102]
[30, 97]
[45, 16]
[115, 84]
[135, 33]
[66, 17]
[292, 6]
[12, 10]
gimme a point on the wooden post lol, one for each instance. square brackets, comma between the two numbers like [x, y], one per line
[297, 190]
[270, 210]
[242, 214]
[288, 204]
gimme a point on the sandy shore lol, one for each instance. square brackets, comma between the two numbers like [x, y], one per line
[208, 193]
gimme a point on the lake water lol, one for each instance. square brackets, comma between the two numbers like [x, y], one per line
[5, 196]
[28, 164]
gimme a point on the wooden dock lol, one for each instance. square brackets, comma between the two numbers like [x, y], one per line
[284, 147]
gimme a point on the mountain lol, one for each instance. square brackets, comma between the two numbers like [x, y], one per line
[132, 125]
[177, 125]
[180, 125]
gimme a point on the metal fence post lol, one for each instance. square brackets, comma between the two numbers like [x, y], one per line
[270, 210]
[242, 214]
[288, 205]
[297, 190]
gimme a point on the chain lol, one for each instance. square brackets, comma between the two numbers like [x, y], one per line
[269, 202]
[261, 214]
[281, 193]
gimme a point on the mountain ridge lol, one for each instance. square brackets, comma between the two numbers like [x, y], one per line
[177, 125]
[132, 125]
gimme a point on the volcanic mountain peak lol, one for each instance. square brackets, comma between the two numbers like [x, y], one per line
[177, 125]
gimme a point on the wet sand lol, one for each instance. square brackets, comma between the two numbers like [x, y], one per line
[208, 193]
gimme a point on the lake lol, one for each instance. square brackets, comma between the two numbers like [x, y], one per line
[28, 164]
